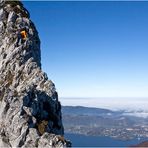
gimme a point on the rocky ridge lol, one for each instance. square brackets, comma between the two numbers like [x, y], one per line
[30, 112]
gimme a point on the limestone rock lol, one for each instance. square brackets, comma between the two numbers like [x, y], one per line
[30, 112]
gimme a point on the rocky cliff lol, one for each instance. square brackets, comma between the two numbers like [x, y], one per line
[30, 113]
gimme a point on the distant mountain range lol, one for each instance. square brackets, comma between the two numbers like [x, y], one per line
[80, 110]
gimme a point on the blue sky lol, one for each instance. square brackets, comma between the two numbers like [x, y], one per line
[94, 49]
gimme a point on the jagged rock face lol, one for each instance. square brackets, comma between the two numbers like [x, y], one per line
[29, 106]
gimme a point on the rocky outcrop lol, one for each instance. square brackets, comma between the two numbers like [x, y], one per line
[30, 113]
[142, 144]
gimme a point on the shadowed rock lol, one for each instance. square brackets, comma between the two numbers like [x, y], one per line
[30, 113]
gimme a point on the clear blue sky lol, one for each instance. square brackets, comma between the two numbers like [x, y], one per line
[94, 49]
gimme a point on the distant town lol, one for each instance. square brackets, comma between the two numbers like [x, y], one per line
[101, 122]
[117, 133]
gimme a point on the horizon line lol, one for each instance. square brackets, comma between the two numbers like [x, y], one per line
[98, 97]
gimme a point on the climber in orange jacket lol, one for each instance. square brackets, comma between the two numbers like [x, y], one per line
[21, 35]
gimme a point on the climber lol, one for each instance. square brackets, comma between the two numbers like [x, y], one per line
[23, 34]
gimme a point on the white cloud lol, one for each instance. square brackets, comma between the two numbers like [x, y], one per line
[109, 103]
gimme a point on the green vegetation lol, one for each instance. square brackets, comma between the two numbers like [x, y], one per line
[15, 93]
[9, 78]
[42, 126]
[2, 93]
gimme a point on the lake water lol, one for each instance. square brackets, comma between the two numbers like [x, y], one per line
[96, 141]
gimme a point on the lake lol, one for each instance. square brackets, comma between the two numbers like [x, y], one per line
[97, 141]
